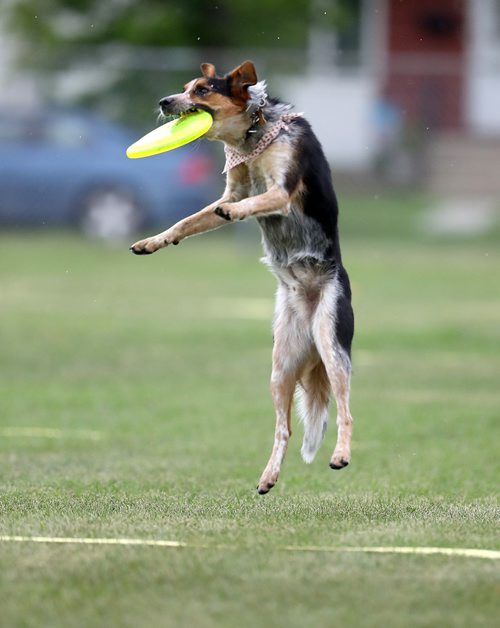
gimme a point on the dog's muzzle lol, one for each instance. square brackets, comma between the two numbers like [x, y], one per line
[170, 105]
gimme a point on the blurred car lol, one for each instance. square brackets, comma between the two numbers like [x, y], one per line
[69, 168]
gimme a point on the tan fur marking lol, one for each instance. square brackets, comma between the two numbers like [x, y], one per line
[275, 199]
[274, 162]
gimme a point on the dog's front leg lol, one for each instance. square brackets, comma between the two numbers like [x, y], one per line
[204, 220]
[275, 200]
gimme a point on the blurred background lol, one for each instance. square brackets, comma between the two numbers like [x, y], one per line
[404, 94]
[134, 395]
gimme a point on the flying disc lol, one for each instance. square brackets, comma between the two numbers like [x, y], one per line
[187, 128]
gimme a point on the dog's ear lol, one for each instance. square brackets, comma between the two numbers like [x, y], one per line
[208, 70]
[244, 75]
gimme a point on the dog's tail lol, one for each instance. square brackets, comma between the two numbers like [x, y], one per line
[313, 397]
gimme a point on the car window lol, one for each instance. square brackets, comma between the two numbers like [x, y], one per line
[13, 130]
[62, 131]
[67, 131]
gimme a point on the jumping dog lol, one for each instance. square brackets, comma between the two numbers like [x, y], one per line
[277, 172]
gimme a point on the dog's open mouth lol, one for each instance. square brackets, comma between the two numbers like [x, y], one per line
[168, 117]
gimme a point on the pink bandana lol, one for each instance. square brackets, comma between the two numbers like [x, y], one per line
[234, 157]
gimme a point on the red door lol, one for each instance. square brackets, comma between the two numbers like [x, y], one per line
[425, 74]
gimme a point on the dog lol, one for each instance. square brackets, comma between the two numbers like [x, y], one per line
[276, 171]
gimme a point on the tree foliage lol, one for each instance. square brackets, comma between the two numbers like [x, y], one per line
[59, 35]
[195, 23]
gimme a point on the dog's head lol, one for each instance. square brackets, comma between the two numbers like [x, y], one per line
[231, 99]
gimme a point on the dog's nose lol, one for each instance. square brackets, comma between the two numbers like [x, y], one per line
[165, 102]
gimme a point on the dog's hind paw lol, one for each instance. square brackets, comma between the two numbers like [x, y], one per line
[340, 460]
[262, 490]
[266, 482]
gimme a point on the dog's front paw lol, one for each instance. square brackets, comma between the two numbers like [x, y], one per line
[224, 212]
[150, 245]
[146, 246]
[230, 211]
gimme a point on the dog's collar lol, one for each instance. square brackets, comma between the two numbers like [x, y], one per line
[234, 157]
[258, 119]
[255, 104]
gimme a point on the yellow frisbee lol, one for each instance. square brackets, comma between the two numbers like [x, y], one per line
[187, 128]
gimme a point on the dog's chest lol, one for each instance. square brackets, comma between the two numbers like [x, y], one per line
[259, 175]
[291, 238]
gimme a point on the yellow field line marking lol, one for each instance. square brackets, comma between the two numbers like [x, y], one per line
[423, 551]
[48, 432]
[93, 541]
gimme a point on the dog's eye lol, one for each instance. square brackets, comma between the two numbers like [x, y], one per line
[201, 91]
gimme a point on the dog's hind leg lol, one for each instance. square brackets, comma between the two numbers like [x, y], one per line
[337, 363]
[282, 389]
[292, 343]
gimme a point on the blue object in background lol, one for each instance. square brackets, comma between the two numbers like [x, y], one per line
[69, 168]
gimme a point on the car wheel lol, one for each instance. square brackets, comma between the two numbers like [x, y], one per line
[110, 213]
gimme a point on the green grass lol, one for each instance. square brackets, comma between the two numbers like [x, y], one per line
[155, 373]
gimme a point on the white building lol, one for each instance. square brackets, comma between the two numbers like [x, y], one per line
[436, 64]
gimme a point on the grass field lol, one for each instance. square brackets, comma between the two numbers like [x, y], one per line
[134, 404]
